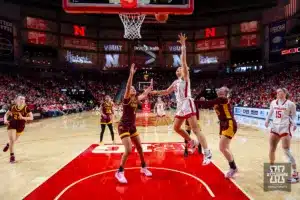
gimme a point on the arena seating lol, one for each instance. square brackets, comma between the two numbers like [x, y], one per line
[46, 96]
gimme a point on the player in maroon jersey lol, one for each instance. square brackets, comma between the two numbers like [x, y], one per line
[228, 125]
[107, 114]
[19, 114]
[127, 127]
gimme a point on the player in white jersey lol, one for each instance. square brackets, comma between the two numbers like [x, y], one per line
[186, 109]
[283, 112]
[159, 109]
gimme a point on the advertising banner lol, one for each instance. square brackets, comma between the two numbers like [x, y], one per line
[6, 41]
[257, 113]
[276, 36]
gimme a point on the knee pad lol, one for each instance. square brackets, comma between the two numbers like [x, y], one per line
[290, 157]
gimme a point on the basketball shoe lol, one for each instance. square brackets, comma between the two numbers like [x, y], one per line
[12, 159]
[6, 148]
[294, 178]
[146, 172]
[121, 177]
[231, 173]
[207, 157]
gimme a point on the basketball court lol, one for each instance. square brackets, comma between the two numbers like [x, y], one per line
[60, 158]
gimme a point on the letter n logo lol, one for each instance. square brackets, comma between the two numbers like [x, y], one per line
[79, 30]
[210, 32]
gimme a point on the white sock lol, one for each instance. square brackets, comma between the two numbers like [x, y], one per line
[206, 151]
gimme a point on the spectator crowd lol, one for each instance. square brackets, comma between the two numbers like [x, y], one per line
[46, 96]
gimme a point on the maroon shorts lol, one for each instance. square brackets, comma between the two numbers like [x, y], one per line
[106, 119]
[228, 128]
[19, 126]
[127, 130]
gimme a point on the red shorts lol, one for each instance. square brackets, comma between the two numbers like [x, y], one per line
[127, 130]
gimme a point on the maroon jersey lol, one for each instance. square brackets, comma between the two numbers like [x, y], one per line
[15, 122]
[221, 106]
[107, 111]
[129, 110]
[107, 108]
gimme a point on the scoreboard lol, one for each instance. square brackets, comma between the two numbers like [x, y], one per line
[82, 44]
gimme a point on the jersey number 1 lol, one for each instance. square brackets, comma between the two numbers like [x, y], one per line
[278, 114]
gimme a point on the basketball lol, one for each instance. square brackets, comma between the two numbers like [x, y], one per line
[162, 18]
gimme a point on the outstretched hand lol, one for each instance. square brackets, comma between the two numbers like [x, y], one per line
[182, 38]
[132, 69]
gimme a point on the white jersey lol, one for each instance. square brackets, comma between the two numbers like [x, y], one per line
[284, 115]
[160, 106]
[185, 104]
[182, 90]
[284, 112]
[160, 109]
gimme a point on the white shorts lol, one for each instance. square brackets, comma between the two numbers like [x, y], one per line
[185, 109]
[281, 129]
[161, 113]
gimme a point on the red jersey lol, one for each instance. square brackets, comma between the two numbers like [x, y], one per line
[107, 108]
[221, 106]
[129, 110]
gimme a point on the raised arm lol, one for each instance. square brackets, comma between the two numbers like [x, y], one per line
[146, 92]
[129, 81]
[185, 68]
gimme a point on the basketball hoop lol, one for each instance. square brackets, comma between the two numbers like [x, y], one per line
[132, 25]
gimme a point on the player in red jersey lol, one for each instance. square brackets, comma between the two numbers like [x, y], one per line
[186, 109]
[188, 130]
[127, 127]
[107, 115]
[19, 114]
[283, 112]
[228, 125]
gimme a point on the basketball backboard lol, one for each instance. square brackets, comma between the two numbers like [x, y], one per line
[181, 7]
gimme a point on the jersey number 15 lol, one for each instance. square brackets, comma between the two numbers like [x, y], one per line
[278, 114]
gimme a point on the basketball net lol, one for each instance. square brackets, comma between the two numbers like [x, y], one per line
[132, 22]
[132, 25]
